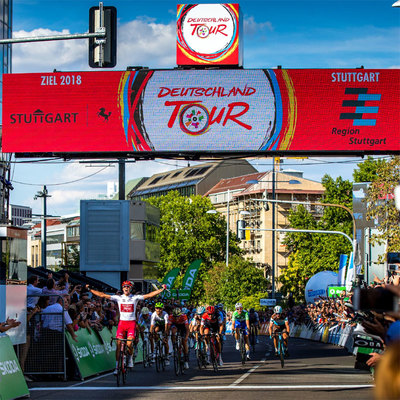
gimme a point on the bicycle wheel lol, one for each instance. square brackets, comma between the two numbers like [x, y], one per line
[252, 338]
[158, 357]
[213, 354]
[199, 355]
[119, 367]
[124, 367]
[281, 351]
[145, 350]
[177, 359]
[242, 349]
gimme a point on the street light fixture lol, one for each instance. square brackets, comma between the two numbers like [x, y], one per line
[43, 194]
[227, 225]
[292, 182]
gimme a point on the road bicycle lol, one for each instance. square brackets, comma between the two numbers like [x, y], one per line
[201, 352]
[242, 345]
[252, 338]
[214, 353]
[146, 349]
[178, 355]
[122, 368]
[160, 352]
[281, 347]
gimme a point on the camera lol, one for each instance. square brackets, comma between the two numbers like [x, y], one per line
[376, 299]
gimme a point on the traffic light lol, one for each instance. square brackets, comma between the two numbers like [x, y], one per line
[241, 229]
[103, 50]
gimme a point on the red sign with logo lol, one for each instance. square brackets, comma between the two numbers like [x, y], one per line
[196, 111]
[209, 34]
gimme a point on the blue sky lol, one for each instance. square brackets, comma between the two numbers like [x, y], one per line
[293, 34]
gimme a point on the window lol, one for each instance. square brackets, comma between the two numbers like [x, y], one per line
[137, 231]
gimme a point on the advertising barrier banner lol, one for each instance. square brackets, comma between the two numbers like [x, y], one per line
[12, 381]
[233, 110]
[92, 352]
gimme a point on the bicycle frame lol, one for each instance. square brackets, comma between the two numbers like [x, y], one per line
[122, 360]
[178, 355]
[281, 348]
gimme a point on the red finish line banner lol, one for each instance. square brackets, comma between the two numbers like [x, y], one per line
[196, 111]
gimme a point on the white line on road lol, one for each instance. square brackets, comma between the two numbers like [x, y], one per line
[244, 376]
[91, 380]
[178, 388]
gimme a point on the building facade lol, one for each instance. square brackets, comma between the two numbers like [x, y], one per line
[19, 215]
[243, 195]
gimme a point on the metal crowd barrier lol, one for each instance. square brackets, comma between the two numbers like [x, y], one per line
[44, 352]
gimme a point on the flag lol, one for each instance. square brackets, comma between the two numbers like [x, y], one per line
[190, 275]
[170, 278]
[342, 269]
[350, 273]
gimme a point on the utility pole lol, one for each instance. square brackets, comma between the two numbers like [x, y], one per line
[44, 195]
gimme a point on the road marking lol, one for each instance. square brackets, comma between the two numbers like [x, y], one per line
[178, 388]
[243, 377]
[91, 380]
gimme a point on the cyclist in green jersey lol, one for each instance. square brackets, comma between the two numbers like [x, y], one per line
[240, 320]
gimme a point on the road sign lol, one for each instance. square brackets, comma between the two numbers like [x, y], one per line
[268, 302]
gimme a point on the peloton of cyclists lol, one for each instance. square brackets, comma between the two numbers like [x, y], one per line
[279, 323]
[240, 320]
[127, 304]
[211, 321]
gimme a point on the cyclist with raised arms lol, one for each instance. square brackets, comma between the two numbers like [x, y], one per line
[279, 323]
[211, 321]
[178, 322]
[127, 304]
[158, 323]
[240, 320]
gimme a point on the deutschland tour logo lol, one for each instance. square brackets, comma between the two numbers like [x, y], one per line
[194, 119]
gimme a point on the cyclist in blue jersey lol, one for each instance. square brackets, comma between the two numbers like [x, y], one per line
[280, 323]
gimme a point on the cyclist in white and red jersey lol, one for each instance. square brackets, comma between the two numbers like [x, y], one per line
[127, 303]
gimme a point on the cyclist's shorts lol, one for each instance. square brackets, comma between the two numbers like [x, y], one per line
[212, 327]
[279, 328]
[126, 326]
[242, 325]
[160, 326]
[181, 328]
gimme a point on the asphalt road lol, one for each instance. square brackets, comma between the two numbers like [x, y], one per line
[313, 370]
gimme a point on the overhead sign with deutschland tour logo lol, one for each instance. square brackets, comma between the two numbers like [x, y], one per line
[209, 34]
[195, 111]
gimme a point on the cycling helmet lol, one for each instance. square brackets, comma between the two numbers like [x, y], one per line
[251, 310]
[200, 310]
[127, 283]
[185, 310]
[145, 311]
[220, 306]
[159, 305]
[176, 312]
[210, 310]
[238, 305]
[278, 310]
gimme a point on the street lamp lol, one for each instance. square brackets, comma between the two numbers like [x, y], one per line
[292, 182]
[227, 225]
[43, 194]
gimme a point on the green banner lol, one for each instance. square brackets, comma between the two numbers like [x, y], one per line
[180, 294]
[93, 352]
[170, 278]
[190, 275]
[12, 381]
[336, 290]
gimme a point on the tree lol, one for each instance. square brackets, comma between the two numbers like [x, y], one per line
[381, 206]
[187, 233]
[314, 252]
[367, 170]
[230, 284]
